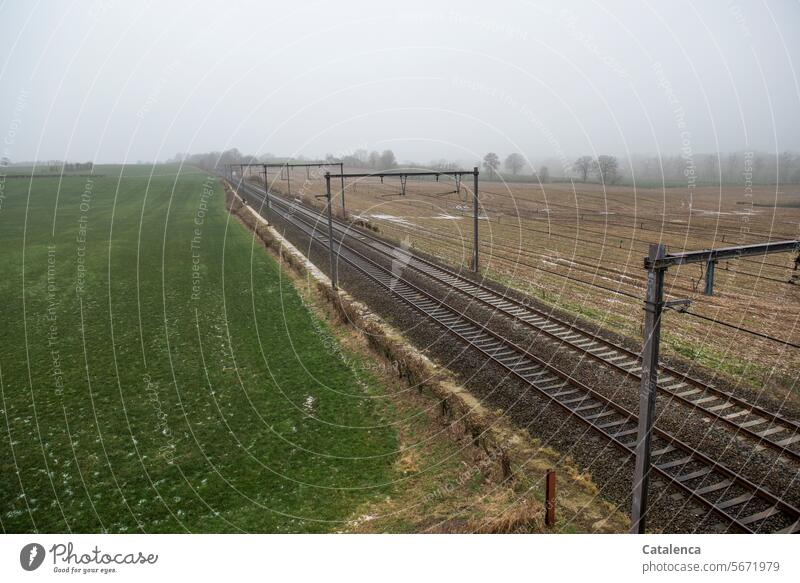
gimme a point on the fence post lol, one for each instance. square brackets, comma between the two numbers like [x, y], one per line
[550, 498]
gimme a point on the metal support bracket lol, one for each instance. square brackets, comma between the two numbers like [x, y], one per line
[710, 267]
[678, 305]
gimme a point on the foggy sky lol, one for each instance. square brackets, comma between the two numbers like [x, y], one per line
[128, 81]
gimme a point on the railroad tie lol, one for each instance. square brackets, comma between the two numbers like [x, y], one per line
[614, 423]
[551, 387]
[545, 379]
[564, 393]
[752, 422]
[540, 373]
[713, 487]
[516, 361]
[600, 415]
[738, 413]
[688, 393]
[699, 473]
[789, 440]
[588, 407]
[771, 431]
[525, 369]
[666, 449]
[675, 463]
[576, 400]
[705, 399]
[625, 433]
[743, 499]
[764, 514]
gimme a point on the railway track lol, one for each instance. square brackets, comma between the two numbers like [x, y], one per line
[732, 497]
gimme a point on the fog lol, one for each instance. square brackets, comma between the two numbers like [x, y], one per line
[142, 81]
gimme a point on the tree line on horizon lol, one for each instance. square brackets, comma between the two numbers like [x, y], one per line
[698, 169]
[695, 169]
[374, 160]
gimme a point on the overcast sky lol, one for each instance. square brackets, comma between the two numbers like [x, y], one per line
[127, 81]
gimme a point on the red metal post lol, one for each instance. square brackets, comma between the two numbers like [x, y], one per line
[550, 498]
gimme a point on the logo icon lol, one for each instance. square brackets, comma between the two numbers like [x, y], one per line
[31, 556]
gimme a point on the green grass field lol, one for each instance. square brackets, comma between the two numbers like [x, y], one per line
[159, 374]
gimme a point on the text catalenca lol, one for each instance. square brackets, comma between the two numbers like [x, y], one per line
[669, 550]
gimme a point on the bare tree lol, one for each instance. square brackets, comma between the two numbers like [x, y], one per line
[491, 162]
[374, 159]
[514, 163]
[544, 174]
[606, 168]
[388, 161]
[583, 166]
[710, 170]
[358, 159]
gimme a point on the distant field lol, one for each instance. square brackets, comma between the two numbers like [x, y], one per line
[581, 249]
[159, 375]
